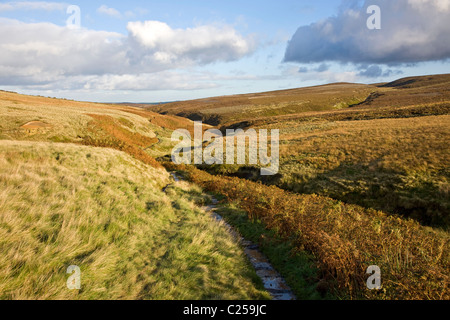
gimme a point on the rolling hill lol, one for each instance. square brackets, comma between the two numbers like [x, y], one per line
[334, 100]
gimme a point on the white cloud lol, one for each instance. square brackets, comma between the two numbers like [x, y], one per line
[203, 44]
[44, 55]
[443, 5]
[104, 9]
[164, 80]
[54, 51]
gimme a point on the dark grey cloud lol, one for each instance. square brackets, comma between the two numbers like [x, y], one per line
[376, 71]
[320, 68]
[303, 70]
[323, 67]
[412, 31]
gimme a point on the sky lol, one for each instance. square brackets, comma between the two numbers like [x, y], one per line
[154, 51]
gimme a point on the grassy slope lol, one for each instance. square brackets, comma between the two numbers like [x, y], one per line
[72, 121]
[103, 210]
[396, 165]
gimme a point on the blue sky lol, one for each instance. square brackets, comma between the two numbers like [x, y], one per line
[147, 51]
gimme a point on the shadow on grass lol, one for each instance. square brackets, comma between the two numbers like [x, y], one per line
[414, 196]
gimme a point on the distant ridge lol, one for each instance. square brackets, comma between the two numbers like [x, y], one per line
[421, 81]
[226, 111]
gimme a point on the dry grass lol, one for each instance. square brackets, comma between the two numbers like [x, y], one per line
[389, 152]
[68, 120]
[113, 128]
[108, 133]
[394, 165]
[395, 160]
[100, 209]
[393, 144]
[124, 128]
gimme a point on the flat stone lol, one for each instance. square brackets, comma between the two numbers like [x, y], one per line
[282, 296]
[247, 243]
[274, 283]
[261, 265]
[255, 255]
[267, 273]
[253, 246]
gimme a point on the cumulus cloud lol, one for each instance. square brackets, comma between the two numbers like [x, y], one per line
[160, 43]
[412, 31]
[39, 52]
[44, 54]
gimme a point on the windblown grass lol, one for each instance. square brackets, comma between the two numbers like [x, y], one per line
[100, 209]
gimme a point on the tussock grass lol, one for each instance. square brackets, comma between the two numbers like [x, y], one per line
[100, 209]
[382, 147]
[389, 151]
